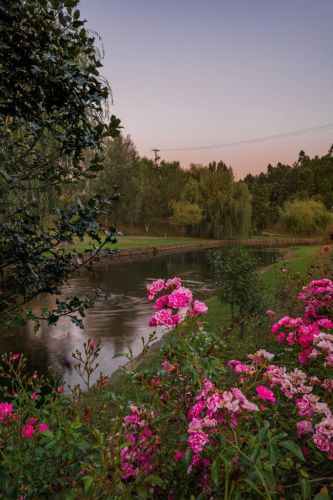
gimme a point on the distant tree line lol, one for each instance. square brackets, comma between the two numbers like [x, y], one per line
[206, 200]
[304, 189]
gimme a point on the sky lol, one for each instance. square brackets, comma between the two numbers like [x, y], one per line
[192, 73]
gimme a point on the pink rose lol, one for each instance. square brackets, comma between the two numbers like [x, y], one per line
[270, 314]
[198, 308]
[164, 317]
[265, 393]
[28, 431]
[6, 410]
[182, 297]
[197, 441]
[43, 427]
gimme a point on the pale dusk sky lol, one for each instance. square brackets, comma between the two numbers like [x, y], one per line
[189, 73]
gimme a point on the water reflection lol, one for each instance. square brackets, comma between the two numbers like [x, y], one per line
[119, 318]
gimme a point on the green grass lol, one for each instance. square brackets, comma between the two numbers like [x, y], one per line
[297, 259]
[133, 242]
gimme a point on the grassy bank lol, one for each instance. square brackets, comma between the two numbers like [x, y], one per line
[127, 243]
[135, 242]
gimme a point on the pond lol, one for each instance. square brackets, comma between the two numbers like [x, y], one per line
[120, 317]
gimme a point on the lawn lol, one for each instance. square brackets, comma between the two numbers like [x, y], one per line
[132, 242]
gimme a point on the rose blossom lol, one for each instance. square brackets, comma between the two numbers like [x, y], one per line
[43, 427]
[182, 297]
[265, 393]
[6, 410]
[164, 317]
[198, 308]
[28, 431]
[197, 441]
[303, 427]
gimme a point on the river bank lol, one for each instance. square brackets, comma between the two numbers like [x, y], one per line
[134, 247]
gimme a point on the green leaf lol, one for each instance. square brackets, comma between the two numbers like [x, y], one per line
[187, 457]
[294, 448]
[273, 454]
[320, 496]
[216, 472]
[255, 452]
[142, 491]
[306, 488]
[253, 486]
[88, 482]
[154, 480]
[48, 434]
[119, 355]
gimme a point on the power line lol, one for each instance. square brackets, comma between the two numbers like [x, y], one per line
[256, 140]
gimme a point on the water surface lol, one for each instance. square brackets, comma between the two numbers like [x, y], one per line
[119, 318]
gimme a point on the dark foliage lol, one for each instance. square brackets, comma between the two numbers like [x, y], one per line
[53, 120]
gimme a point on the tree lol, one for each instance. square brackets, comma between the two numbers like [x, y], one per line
[239, 285]
[53, 121]
[171, 181]
[226, 204]
[121, 169]
[283, 183]
[305, 216]
[150, 181]
[185, 214]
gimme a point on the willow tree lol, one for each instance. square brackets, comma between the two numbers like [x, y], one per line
[53, 123]
[226, 204]
[305, 216]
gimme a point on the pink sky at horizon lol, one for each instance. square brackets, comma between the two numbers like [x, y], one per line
[253, 158]
[187, 73]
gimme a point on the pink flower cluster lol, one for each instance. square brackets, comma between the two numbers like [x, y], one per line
[309, 406]
[258, 358]
[32, 427]
[169, 305]
[318, 296]
[306, 335]
[296, 385]
[138, 455]
[290, 383]
[212, 409]
[29, 429]
[6, 410]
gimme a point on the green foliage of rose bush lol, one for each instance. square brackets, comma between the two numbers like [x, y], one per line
[193, 425]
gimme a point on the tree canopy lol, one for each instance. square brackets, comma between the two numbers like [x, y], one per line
[53, 121]
[305, 216]
[306, 178]
[186, 214]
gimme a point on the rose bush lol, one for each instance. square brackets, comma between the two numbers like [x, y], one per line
[195, 424]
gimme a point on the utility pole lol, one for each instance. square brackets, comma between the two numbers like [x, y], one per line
[156, 156]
